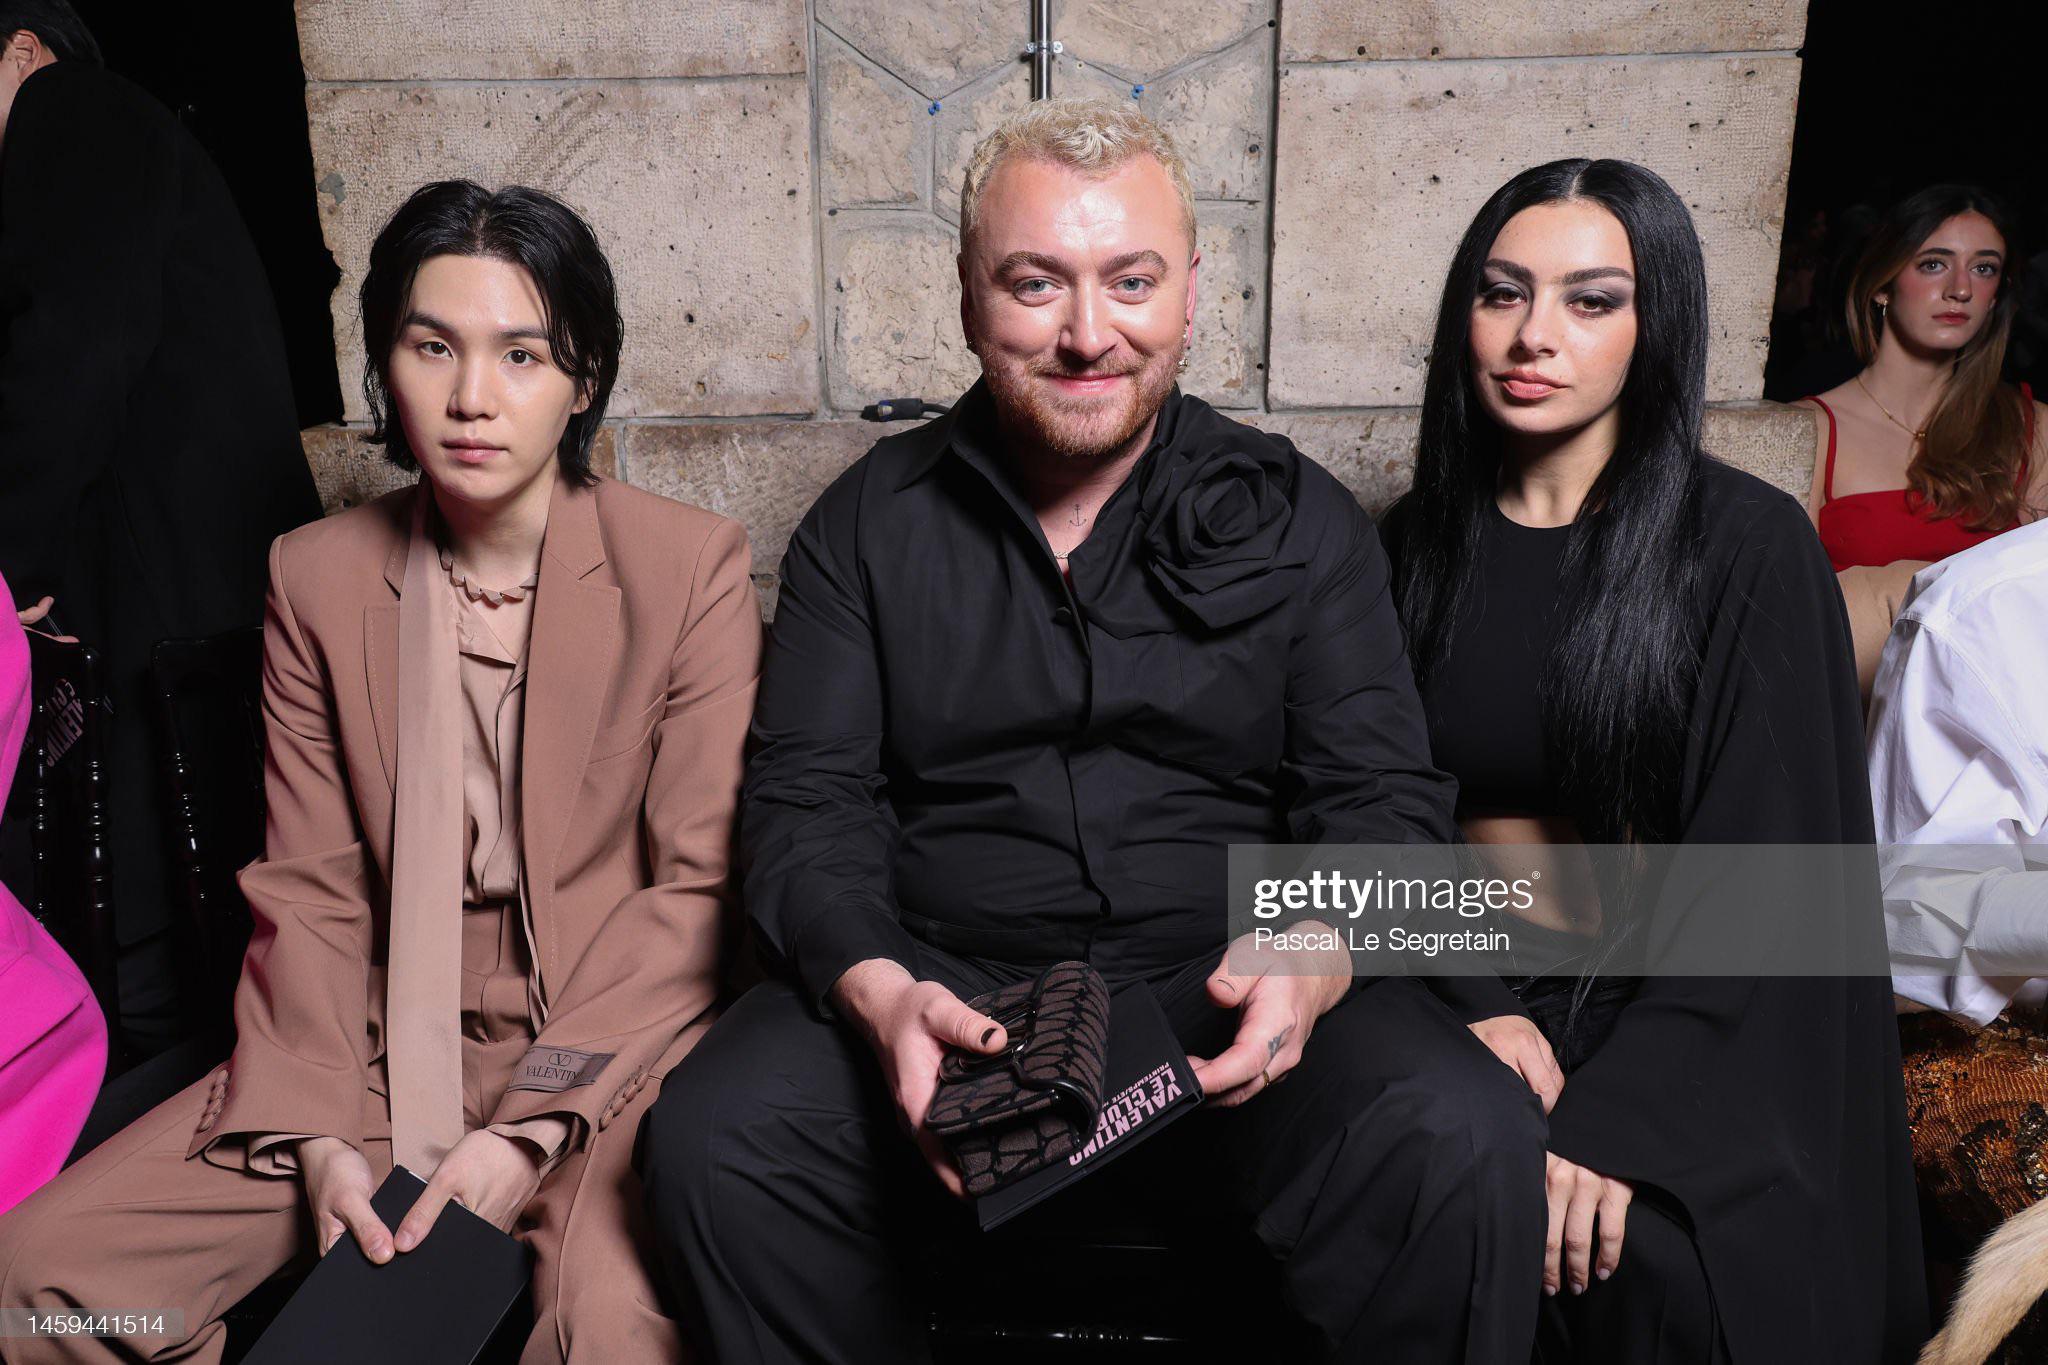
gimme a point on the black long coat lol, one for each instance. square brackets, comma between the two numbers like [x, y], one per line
[1770, 1108]
[149, 449]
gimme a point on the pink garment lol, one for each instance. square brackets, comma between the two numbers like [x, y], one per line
[53, 1039]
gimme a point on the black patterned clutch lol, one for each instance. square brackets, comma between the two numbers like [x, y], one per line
[1008, 1114]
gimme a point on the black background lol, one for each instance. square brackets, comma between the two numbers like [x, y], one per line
[231, 73]
[1893, 97]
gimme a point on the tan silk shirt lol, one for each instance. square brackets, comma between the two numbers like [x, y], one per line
[493, 724]
[494, 697]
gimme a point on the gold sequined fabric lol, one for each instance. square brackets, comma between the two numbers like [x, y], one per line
[1977, 1100]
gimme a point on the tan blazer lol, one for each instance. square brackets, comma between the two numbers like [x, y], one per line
[645, 647]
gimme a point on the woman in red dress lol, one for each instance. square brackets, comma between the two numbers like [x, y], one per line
[1926, 451]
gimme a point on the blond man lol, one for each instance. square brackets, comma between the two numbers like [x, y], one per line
[1035, 666]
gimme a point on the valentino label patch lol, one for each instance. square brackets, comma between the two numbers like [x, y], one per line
[558, 1068]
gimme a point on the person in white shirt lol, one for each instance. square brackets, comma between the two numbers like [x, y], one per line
[1959, 774]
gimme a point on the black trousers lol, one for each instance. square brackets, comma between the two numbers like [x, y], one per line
[1656, 1309]
[1396, 1174]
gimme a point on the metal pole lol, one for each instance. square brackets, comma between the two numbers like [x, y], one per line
[1041, 49]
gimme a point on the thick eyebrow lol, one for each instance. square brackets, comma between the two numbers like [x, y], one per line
[1522, 275]
[1032, 260]
[1117, 265]
[1053, 265]
[1992, 252]
[1598, 272]
[1518, 273]
[528, 332]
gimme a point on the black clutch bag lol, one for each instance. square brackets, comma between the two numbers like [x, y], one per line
[1007, 1114]
[438, 1304]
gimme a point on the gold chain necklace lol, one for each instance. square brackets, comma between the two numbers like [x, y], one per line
[1916, 435]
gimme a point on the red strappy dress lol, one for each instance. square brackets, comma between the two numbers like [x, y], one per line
[1890, 524]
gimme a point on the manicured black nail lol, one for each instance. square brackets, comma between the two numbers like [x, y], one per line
[987, 1034]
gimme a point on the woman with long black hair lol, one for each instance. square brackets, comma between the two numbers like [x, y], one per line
[1621, 641]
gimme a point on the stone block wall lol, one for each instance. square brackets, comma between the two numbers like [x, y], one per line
[905, 90]
[777, 182]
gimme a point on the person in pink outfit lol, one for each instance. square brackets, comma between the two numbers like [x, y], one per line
[53, 1038]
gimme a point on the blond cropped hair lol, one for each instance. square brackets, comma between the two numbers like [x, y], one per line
[1095, 137]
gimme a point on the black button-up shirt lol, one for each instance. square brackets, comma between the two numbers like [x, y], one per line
[954, 742]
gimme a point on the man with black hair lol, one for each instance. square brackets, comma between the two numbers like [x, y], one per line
[148, 443]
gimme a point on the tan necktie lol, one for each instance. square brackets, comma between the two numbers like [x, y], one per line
[423, 1000]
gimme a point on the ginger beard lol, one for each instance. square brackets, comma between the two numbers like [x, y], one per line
[1078, 427]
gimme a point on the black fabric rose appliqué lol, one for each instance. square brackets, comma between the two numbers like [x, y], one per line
[1214, 533]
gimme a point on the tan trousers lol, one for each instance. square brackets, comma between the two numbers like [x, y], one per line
[136, 1226]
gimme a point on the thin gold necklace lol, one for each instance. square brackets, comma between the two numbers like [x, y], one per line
[1916, 435]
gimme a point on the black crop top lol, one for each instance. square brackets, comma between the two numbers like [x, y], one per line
[1485, 718]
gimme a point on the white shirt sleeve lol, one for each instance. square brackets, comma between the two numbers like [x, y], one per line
[1959, 777]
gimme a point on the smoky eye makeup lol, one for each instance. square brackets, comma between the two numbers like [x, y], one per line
[1600, 300]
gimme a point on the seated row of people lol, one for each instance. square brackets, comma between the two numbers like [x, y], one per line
[1035, 666]
[1927, 464]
